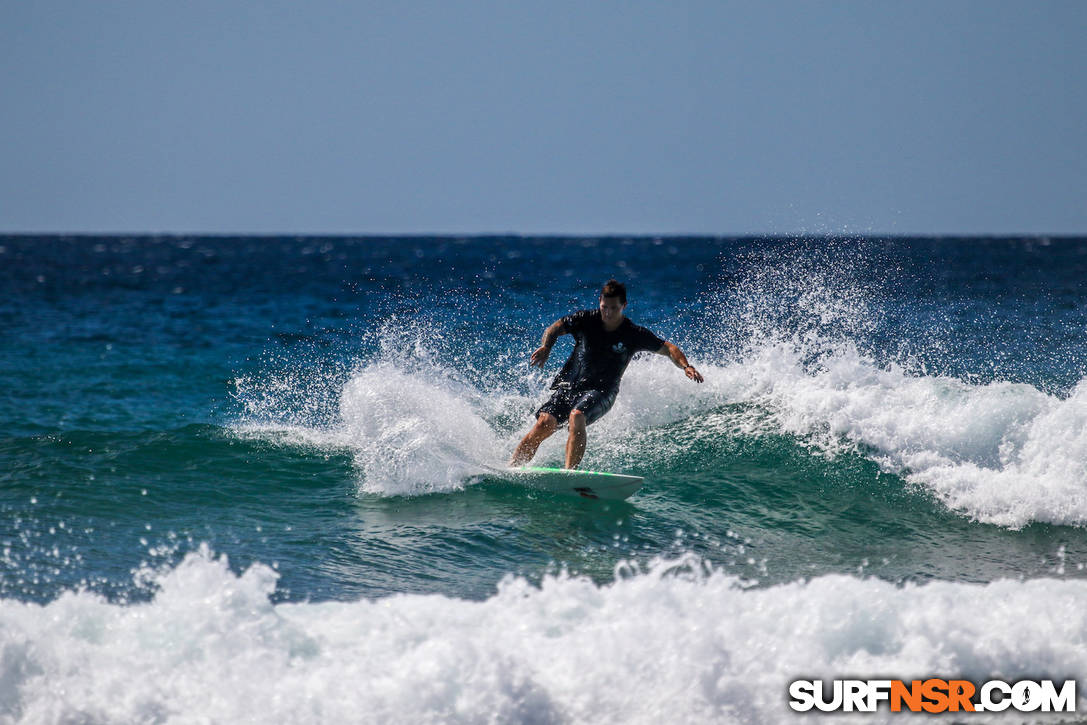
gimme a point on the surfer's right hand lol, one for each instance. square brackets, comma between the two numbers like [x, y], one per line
[540, 356]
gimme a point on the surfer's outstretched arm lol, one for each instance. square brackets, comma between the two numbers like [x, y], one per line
[680, 361]
[551, 334]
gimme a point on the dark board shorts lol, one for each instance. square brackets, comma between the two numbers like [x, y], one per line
[593, 403]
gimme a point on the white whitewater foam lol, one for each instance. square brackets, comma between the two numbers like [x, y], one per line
[1002, 453]
[677, 644]
[409, 432]
[414, 433]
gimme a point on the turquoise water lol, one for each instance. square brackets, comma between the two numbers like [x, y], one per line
[273, 442]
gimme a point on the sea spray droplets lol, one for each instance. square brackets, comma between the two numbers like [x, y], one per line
[810, 293]
[414, 420]
[410, 435]
[801, 333]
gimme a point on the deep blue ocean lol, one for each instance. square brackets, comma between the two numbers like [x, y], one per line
[244, 479]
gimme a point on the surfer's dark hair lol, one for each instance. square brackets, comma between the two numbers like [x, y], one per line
[613, 288]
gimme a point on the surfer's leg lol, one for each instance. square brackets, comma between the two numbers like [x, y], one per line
[595, 404]
[588, 407]
[575, 442]
[545, 426]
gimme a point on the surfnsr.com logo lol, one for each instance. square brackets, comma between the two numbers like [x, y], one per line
[932, 695]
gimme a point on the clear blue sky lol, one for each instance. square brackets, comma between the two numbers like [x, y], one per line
[543, 117]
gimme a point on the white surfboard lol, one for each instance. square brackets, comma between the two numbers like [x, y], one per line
[588, 484]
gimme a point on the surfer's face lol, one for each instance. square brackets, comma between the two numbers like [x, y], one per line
[611, 310]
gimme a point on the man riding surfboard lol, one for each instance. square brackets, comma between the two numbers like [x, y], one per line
[585, 389]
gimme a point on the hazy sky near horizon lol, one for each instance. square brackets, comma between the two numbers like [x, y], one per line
[920, 117]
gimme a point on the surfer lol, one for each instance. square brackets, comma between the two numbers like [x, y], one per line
[585, 388]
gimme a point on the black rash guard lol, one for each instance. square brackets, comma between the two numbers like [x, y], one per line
[600, 357]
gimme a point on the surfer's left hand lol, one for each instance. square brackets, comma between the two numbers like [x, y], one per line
[693, 374]
[540, 356]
